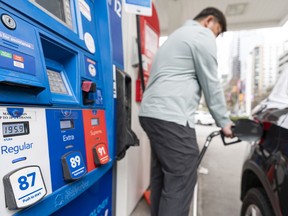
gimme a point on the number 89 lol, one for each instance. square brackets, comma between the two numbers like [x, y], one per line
[75, 161]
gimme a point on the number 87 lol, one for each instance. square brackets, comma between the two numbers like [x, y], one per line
[23, 183]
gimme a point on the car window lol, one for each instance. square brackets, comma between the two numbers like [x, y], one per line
[283, 121]
[279, 95]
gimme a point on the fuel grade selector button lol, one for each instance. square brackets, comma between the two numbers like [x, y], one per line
[24, 187]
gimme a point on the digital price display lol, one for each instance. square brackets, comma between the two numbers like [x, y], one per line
[59, 9]
[66, 124]
[15, 128]
[95, 121]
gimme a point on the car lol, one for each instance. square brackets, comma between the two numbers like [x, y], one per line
[204, 118]
[264, 179]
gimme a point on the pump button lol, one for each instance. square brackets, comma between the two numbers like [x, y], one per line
[23, 187]
[73, 166]
[8, 21]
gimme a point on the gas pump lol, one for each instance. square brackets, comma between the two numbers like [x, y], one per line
[55, 105]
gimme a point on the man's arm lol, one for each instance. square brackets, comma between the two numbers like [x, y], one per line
[205, 60]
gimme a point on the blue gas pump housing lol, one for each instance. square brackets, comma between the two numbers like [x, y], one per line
[20, 62]
[55, 65]
[52, 54]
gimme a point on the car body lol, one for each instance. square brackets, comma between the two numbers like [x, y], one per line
[264, 185]
[204, 118]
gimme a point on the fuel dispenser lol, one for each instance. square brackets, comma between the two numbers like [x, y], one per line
[55, 105]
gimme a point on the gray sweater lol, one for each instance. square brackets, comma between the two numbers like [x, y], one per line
[183, 66]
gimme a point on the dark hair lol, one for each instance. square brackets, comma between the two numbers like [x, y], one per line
[214, 12]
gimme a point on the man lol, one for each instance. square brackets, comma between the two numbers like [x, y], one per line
[184, 66]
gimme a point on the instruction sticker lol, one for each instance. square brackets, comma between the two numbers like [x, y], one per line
[140, 7]
[90, 67]
[89, 42]
[16, 40]
[18, 64]
[85, 9]
[16, 61]
[5, 54]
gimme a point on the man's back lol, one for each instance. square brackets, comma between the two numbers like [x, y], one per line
[173, 92]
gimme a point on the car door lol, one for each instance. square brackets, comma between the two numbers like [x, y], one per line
[281, 167]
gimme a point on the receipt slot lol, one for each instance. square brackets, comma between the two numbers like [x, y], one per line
[66, 146]
[25, 174]
[95, 138]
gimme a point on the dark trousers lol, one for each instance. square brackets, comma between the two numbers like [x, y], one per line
[174, 157]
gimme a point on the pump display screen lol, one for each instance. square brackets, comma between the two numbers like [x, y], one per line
[15, 128]
[58, 8]
[53, 6]
[94, 121]
[56, 82]
[66, 124]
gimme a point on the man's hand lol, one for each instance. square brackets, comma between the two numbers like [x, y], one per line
[227, 131]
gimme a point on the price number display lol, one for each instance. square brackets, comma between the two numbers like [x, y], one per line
[73, 166]
[66, 124]
[101, 155]
[24, 187]
[15, 128]
[95, 121]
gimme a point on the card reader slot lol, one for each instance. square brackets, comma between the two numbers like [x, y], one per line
[13, 86]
